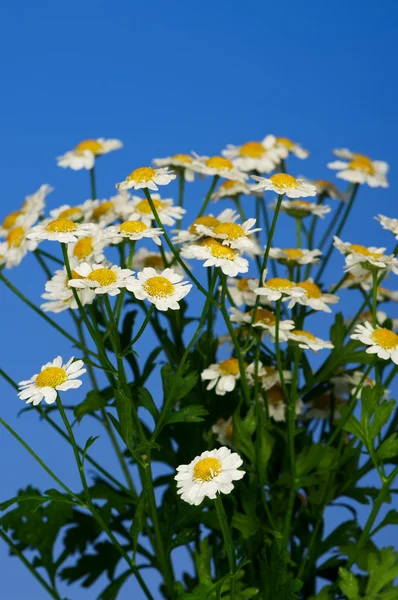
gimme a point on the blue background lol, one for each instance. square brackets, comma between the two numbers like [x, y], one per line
[166, 78]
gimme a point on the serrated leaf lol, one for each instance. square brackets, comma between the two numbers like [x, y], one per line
[93, 401]
[91, 440]
[145, 399]
[193, 413]
[123, 408]
[348, 584]
[138, 521]
[245, 524]
[389, 447]
[112, 590]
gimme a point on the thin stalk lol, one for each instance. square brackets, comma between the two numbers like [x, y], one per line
[140, 331]
[208, 195]
[120, 299]
[93, 184]
[298, 233]
[228, 542]
[181, 189]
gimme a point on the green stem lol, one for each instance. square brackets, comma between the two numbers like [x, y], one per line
[140, 331]
[298, 232]
[181, 189]
[209, 194]
[374, 299]
[93, 184]
[228, 542]
[120, 299]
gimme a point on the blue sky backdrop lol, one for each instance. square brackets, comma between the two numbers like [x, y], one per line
[168, 77]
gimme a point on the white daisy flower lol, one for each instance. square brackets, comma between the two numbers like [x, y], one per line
[217, 165]
[140, 209]
[103, 280]
[308, 341]
[381, 341]
[146, 177]
[231, 234]
[278, 288]
[54, 377]
[344, 384]
[295, 256]
[241, 290]
[28, 213]
[164, 290]
[328, 189]
[381, 317]
[60, 295]
[360, 168]
[223, 430]
[268, 375]
[223, 376]
[89, 248]
[365, 258]
[315, 298]
[181, 162]
[299, 209]
[264, 319]
[133, 231]
[282, 183]
[357, 280]
[277, 404]
[104, 212]
[85, 153]
[321, 407]
[285, 146]
[192, 234]
[385, 295]
[389, 224]
[66, 211]
[254, 156]
[231, 189]
[209, 474]
[35, 203]
[17, 244]
[60, 230]
[217, 255]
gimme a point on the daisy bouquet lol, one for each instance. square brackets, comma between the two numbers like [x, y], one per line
[240, 403]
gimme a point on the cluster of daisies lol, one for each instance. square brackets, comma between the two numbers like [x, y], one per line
[221, 239]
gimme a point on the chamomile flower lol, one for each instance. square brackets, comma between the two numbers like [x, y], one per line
[29, 212]
[146, 177]
[385, 295]
[192, 234]
[231, 234]
[263, 319]
[231, 189]
[284, 146]
[321, 407]
[241, 290]
[140, 209]
[59, 294]
[370, 259]
[278, 288]
[133, 231]
[346, 383]
[35, 203]
[89, 248]
[299, 209]
[308, 341]
[54, 377]
[223, 430]
[327, 189]
[209, 474]
[101, 279]
[216, 254]
[60, 230]
[381, 341]
[222, 376]
[217, 165]
[17, 244]
[315, 298]
[295, 256]
[277, 404]
[254, 156]
[145, 258]
[181, 162]
[104, 212]
[389, 224]
[85, 153]
[164, 290]
[360, 168]
[381, 317]
[357, 280]
[268, 375]
[284, 184]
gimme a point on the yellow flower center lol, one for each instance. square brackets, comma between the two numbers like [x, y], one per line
[312, 289]
[278, 283]
[141, 174]
[61, 226]
[252, 149]
[229, 184]
[294, 253]
[232, 230]
[102, 210]
[145, 208]
[274, 395]
[302, 204]
[269, 371]
[359, 249]
[229, 366]
[51, 377]
[133, 227]
[285, 142]
[102, 276]
[385, 338]
[153, 260]
[15, 237]
[362, 163]
[10, 219]
[218, 250]
[219, 162]
[159, 287]
[184, 158]
[263, 316]
[207, 468]
[206, 221]
[92, 145]
[284, 181]
[229, 431]
[243, 284]
[83, 248]
[305, 334]
[70, 212]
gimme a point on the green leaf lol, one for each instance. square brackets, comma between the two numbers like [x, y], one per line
[391, 518]
[138, 521]
[193, 413]
[202, 559]
[123, 408]
[93, 401]
[382, 413]
[266, 443]
[348, 584]
[337, 331]
[145, 399]
[245, 524]
[316, 456]
[91, 440]
[383, 570]
[242, 437]
[180, 384]
[353, 426]
[112, 590]
[389, 447]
